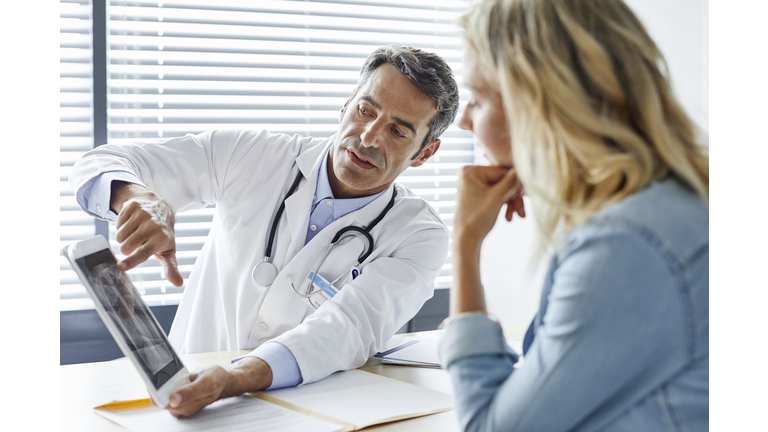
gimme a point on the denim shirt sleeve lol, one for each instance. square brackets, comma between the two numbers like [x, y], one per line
[611, 313]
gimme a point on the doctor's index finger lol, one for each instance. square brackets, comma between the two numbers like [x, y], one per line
[138, 256]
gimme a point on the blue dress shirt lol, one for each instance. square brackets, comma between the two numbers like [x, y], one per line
[94, 197]
[325, 208]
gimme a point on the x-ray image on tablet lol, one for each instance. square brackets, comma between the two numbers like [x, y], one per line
[127, 317]
[118, 295]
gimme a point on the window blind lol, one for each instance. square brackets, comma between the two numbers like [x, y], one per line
[75, 134]
[178, 67]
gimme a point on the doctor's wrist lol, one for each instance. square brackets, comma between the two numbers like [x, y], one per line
[248, 374]
[122, 191]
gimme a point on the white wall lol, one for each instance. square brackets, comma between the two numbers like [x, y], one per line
[680, 29]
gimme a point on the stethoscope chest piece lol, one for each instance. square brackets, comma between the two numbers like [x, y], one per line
[264, 274]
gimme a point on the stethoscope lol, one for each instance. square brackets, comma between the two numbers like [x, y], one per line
[265, 273]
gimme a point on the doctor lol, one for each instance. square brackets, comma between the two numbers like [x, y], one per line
[306, 190]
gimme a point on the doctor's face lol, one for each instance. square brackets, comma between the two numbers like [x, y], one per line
[382, 128]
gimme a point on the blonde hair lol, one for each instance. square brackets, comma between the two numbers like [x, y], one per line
[590, 110]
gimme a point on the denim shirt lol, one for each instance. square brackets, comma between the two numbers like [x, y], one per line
[622, 335]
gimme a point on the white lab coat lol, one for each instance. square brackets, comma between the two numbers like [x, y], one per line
[247, 174]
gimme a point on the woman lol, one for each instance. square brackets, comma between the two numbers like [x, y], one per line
[571, 105]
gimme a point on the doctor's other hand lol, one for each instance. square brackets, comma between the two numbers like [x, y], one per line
[211, 383]
[145, 227]
[482, 191]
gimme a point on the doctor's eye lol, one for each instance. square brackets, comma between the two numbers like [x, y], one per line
[397, 133]
[363, 111]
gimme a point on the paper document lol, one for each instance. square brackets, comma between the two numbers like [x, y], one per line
[423, 352]
[242, 413]
[364, 399]
[345, 401]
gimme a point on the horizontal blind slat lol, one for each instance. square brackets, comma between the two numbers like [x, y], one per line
[308, 14]
[456, 6]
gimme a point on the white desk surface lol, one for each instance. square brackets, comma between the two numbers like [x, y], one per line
[86, 385]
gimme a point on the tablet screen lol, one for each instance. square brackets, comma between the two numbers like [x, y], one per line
[130, 316]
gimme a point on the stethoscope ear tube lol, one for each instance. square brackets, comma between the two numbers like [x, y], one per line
[276, 220]
[389, 206]
[366, 232]
[368, 248]
[264, 273]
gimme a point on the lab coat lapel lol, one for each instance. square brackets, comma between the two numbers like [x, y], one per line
[367, 214]
[298, 205]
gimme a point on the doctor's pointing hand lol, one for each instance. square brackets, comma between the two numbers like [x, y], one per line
[145, 227]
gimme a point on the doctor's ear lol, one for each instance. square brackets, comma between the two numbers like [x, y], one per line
[341, 111]
[427, 152]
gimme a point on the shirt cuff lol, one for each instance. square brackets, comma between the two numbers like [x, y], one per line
[95, 196]
[285, 369]
[472, 334]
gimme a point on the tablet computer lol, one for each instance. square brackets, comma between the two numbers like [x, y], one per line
[126, 315]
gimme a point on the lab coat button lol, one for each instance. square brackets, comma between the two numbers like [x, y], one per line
[313, 227]
[263, 327]
[98, 208]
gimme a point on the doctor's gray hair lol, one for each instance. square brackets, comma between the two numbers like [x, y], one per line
[429, 73]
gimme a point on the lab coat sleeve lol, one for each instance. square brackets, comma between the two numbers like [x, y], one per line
[347, 330]
[96, 194]
[190, 172]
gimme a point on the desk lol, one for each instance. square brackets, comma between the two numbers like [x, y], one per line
[84, 386]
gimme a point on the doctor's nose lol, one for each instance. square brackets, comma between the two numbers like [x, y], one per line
[371, 135]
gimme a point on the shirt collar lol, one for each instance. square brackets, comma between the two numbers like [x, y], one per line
[340, 206]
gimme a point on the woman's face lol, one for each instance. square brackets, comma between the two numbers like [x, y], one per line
[484, 115]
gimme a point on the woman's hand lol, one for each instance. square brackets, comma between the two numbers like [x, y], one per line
[482, 191]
